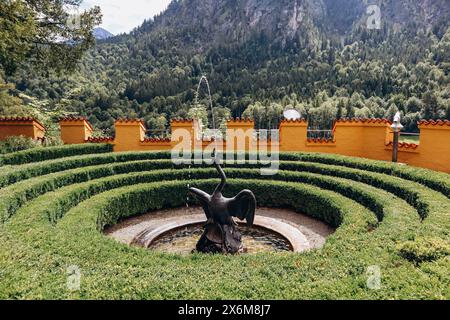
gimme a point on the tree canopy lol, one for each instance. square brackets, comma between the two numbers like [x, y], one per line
[45, 33]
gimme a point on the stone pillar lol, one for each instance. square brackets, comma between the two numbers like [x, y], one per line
[129, 134]
[21, 126]
[293, 135]
[240, 135]
[75, 130]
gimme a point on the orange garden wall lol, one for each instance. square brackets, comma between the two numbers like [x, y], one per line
[366, 138]
[357, 138]
[240, 134]
[434, 149]
[75, 130]
[27, 127]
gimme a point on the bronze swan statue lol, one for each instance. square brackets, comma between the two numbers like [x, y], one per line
[221, 234]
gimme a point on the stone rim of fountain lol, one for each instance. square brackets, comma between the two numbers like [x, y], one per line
[297, 240]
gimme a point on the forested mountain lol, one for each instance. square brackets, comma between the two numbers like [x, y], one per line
[261, 56]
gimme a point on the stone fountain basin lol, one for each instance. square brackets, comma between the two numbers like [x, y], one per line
[302, 232]
[298, 241]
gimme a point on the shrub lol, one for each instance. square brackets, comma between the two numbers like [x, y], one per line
[434, 180]
[99, 190]
[332, 272]
[16, 174]
[17, 143]
[424, 250]
[142, 198]
[438, 181]
[41, 154]
[72, 196]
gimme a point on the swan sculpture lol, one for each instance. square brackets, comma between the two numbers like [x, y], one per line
[221, 234]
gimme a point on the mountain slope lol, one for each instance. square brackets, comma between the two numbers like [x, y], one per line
[102, 34]
[235, 20]
[316, 55]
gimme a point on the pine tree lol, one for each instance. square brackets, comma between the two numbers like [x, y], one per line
[44, 33]
[340, 110]
[350, 111]
[430, 105]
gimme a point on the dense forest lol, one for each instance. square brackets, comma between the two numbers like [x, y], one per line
[260, 57]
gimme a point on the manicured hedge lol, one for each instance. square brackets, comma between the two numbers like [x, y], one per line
[137, 200]
[17, 174]
[411, 192]
[16, 195]
[42, 154]
[55, 219]
[338, 271]
[435, 180]
[438, 181]
[68, 197]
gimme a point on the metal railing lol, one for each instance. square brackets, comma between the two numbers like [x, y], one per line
[266, 135]
[411, 137]
[320, 134]
[157, 133]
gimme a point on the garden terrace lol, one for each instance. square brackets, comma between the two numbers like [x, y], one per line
[56, 202]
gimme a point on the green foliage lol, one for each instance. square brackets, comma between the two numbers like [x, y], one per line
[43, 33]
[153, 71]
[56, 200]
[199, 113]
[17, 143]
[16, 174]
[41, 154]
[267, 116]
[9, 104]
[55, 219]
[424, 249]
[99, 167]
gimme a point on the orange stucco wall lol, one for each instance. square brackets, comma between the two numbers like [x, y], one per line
[75, 130]
[434, 149]
[21, 127]
[129, 135]
[369, 138]
[240, 135]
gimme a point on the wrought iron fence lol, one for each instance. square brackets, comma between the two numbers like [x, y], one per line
[320, 134]
[411, 137]
[162, 134]
[266, 135]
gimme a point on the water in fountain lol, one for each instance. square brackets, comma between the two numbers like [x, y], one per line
[257, 240]
[204, 80]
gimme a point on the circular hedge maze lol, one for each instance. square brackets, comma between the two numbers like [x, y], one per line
[391, 241]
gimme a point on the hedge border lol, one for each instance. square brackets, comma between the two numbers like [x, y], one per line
[415, 194]
[343, 254]
[42, 154]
